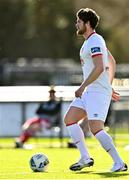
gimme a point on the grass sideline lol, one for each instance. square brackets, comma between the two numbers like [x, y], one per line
[14, 163]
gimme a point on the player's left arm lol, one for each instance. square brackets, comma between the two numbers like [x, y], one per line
[112, 70]
[112, 66]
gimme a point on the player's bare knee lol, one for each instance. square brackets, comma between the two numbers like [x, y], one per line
[96, 126]
[67, 121]
[95, 131]
[92, 131]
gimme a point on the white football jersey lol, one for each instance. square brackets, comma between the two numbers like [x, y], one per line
[94, 46]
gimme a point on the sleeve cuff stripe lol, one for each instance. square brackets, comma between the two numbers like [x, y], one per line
[94, 55]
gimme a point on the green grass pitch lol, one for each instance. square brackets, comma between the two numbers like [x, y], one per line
[14, 163]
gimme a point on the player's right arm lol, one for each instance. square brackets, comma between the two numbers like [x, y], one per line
[95, 73]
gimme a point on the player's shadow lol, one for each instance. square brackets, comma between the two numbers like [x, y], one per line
[111, 174]
[84, 172]
[105, 174]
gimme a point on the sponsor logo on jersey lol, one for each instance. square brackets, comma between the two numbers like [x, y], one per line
[95, 49]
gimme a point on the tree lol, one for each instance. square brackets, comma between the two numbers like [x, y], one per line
[46, 28]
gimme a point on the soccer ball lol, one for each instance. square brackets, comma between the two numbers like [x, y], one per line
[39, 162]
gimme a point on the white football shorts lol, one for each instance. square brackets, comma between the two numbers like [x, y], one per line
[95, 104]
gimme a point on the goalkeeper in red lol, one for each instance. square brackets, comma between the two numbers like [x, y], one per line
[93, 97]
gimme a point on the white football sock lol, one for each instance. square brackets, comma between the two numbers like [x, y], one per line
[107, 143]
[77, 136]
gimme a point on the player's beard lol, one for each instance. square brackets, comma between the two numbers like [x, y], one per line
[81, 31]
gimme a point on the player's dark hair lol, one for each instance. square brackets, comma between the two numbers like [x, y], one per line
[89, 15]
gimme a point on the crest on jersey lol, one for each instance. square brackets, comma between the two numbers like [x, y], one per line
[95, 49]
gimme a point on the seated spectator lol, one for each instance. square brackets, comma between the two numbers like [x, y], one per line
[48, 115]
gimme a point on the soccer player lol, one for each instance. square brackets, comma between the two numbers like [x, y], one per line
[93, 97]
[48, 115]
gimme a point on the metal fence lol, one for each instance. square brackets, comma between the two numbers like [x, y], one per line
[18, 103]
